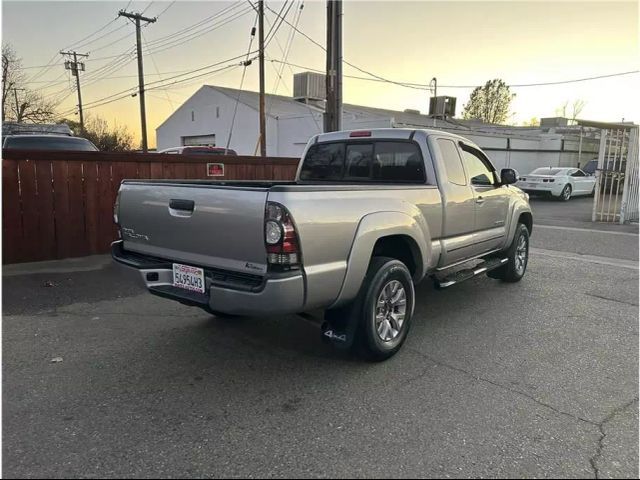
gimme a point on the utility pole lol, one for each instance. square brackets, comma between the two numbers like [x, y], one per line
[333, 115]
[15, 95]
[143, 114]
[76, 67]
[263, 122]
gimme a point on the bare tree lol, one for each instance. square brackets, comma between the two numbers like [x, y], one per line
[33, 108]
[116, 138]
[12, 77]
[20, 104]
[571, 112]
[489, 103]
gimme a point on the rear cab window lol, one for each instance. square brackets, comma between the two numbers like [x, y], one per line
[377, 161]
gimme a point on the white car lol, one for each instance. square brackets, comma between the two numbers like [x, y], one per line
[560, 182]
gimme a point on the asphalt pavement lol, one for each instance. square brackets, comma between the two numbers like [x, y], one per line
[535, 379]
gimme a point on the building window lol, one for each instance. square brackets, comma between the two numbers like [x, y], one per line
[217, 112]
[199, 140]
[193, 116]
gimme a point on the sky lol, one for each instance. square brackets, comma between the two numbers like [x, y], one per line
[459, 43]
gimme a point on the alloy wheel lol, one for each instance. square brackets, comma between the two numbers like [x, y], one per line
[522, 251]
[390, 311]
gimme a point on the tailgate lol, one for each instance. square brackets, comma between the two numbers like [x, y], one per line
[202, 225]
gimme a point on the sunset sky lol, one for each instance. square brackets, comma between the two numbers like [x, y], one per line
[460, 43]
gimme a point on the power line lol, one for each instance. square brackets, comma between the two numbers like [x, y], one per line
[586, 79]
[245, 64]
[154, 85]
[285, 53]
[278, 23]
[128, 93]
[421, 86]
[154, 62]
[117, 40]
[426, 86]
[170, 5]
[146, 8]
[106, 34]
[79, 43]
[169, 44]
[190, 28]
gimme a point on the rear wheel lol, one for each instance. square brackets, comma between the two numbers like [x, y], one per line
[565, 195]
[382, 310]
[387, 307]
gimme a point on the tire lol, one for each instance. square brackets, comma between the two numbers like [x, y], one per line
[565, 195]
[380, 336]
[518, 259]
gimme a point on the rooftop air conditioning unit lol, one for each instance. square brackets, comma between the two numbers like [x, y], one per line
[309, 86]
[442, 106]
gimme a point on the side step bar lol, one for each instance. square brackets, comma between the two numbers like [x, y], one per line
[445, 281]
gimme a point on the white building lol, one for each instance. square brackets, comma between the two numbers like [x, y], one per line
[206, 118]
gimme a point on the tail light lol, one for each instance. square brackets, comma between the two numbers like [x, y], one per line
[281, 239]
[360, 133]
[116, 207]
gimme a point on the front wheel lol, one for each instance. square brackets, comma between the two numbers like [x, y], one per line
[386, 300]
[517, 257]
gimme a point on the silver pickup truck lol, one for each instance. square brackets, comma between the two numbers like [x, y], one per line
[370, 214]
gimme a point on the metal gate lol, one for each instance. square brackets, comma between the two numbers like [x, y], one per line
[616, 191]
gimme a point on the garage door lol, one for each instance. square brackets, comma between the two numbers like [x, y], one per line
[199, 141]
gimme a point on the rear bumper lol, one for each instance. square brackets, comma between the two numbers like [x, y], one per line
[225, 292]
[542, 189]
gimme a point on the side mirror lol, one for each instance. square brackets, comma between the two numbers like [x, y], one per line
[508, 176]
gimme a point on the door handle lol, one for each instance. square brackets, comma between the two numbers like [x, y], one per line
[178, 204]
[181, 208]
[480, 200]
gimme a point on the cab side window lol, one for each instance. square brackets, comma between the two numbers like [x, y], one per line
[452, 161]
[578, 173]
[478, 171]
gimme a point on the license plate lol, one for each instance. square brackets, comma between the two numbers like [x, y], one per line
[188, 277]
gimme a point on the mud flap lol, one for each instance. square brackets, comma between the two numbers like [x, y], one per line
[340, 327]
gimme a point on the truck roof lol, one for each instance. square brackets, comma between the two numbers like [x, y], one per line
[388, 133]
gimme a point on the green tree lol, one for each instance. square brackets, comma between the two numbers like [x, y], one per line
[108, 139]
[489, 103]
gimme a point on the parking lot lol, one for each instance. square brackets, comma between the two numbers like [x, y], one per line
[534, 379]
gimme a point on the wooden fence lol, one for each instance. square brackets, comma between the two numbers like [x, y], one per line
[60, 204]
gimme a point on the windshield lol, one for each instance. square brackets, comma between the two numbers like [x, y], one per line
[547, 171]
[49, 142]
